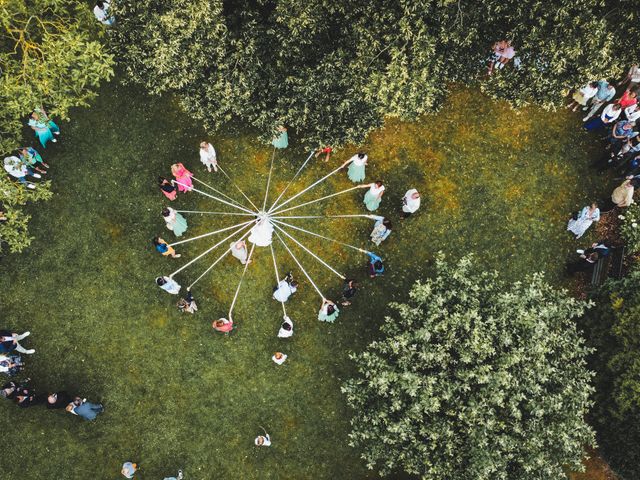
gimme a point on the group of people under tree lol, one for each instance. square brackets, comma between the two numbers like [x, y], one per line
[611, 111]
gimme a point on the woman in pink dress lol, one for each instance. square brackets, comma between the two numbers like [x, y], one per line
[183, 177]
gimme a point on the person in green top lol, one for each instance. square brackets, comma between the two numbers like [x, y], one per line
[32, 159]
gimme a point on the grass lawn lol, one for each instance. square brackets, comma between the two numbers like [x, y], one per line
[494, 182]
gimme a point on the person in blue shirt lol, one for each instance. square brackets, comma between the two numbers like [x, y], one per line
[376, 267]
[606, 92]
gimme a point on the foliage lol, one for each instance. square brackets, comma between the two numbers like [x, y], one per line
[48, 56]
[332, 71]
[475, 378]
[613, 329]
[629, 230]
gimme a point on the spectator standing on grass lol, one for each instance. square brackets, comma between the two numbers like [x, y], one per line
[604, 94]
[609, 115]
[582, 96]
[18, 170]
[348, 291]
[632, 77]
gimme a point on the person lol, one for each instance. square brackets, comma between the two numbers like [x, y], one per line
[25, 397]
[9, 390]
[282, 138]
[285, 288]
[263, 440]
[262, 232]
[178, 477]
[183, 177]
[632, 77]
[605, 93]
[279, 358]
[187, 304]
[357, 165]
[129, 469]
[374, 195]
[583, 95]
[286, 328]
[599, 247]
[208, 156]
[222, 325]
[101, 12]
[585, 218]
[175, 221]
[10, 364]
[44, 128]
[381, 230]
[502, 53]
[349, 290]
[10, 341]
[622, 196]
[632, 113]
[168, 284]
[628, 98]
[609, 115]
[58, 400]
[32, 159]
[326, 151]
[168, 189]
[620, 134]
[328, 311]
[410, 203]
[375, 265]
[18, 170]
[239, 251]
[82, 408]
[583, 264]
[3, 215]
[164, 248]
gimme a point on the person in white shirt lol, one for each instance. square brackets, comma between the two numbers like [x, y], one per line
[410, 203]
[632, 77]
[168, 284]
[632, 113]
[581, 97]
[101, 12]
[208, 156]
[263, 440]
[285, 289]
[286, 329]
[279, 358]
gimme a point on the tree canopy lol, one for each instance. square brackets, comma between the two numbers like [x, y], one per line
[50, 56]
[334, 70]
[613, 330]
[474, 378]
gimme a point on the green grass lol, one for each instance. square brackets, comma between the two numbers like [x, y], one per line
[494, 182]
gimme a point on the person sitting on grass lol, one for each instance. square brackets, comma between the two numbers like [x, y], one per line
[129, 469]
[285, 288]
[279, 358]
[187, 304]
[82, 408]
[164, 248]
[328, 311]
[348, 291]
[10, 341]
[326, 151]
[168, 284]
[9, 390]
[222, 325]
[10, 364]
[263, 440]
[584, 264]
[58, 400]
[25, 397]
[178, 477]
[286, 329]
[375, 265]
[501, 53]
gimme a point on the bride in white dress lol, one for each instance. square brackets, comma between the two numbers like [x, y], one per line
[261, 233]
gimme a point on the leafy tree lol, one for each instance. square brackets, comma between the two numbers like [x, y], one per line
[334, 70]
[49, 55]
[613, 329]
[474, 378]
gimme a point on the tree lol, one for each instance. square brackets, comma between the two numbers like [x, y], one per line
[613, 330]
[474, 378]
[49, 56]
[333, 71]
